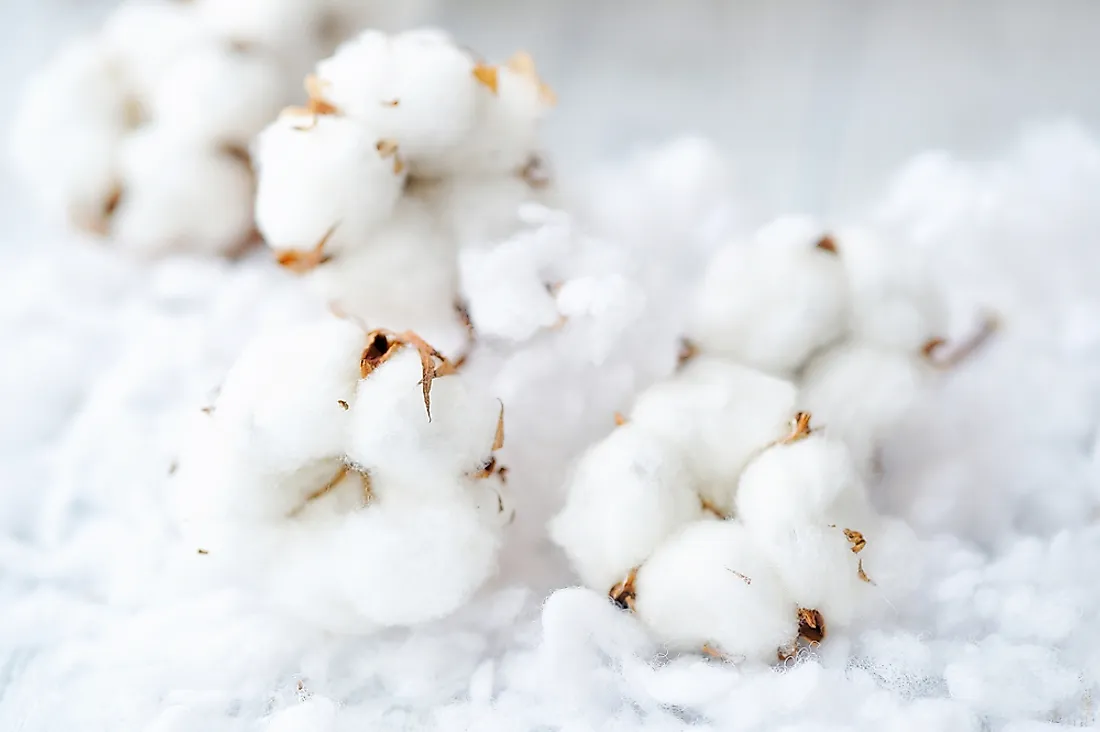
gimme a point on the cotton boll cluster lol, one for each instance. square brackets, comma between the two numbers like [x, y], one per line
[140, 132]
[351, 475]
[408, 150]
[725, 523]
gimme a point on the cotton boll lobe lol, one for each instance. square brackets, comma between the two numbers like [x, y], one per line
[709, 585]
[147, 36]
[176, 195]
[719, 415]
[773, 302]
[805, 481]
[273, 24]
[893, 303]
[331, 176]
[857, 393]
[217, 94]
[414, 88]
[505, 138]
[627, 493]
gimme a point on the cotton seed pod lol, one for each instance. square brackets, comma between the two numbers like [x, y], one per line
[709, 585]
[218, 95]
[894, 305]
[415, 88]
[205, 205]
[772, 302]
[319, 176]
[857, 393]
[719, 415]
[626, 495]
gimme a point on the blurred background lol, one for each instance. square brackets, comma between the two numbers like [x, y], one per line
[816, 101]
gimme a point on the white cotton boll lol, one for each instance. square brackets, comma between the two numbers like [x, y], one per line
[504, 291]
[482, 210]
[709, 585]
[800, 482]
[219, 95]
[391, 434]
[425, 73]
[719, 414]
[178, 196]
[506, 136]
[66, 132]
[858, 393]
[627, 493]
[274, 24]
[894, 304]
[280, 403]
[315, 714]
[149, 35]
[330, 175]
[773, 302]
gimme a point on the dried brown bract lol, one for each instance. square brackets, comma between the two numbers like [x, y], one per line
[382, 344]
[827, 244]
[744, 577]
[711, 508]
[688, 351]
[316, 105]
[202, 551]
[464, 317]
[800, 428]
[302, 262]
[856, 539]
[709, 650]
[863, 575]
[523, 64]
[535, 173]
[337, 478]
[498, 438]
[209, 409]
[620, 420]
[811, 626]
[622, 594]
[989, 326]
[391, 103]
[343, 405]
[387, 149]
[488, 76]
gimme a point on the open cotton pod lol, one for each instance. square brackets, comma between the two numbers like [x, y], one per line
[627, 494]
[325, 447]
[718, 415]
[772, 302]
[710, 587]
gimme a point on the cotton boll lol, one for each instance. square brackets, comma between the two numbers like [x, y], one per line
[858, 393]
[627, 493]
[417, 89]
[272, 24]
[149, 35]
[391, 433]
[218, 94]
[709, 585]
[482, 210]
[805, 481]
[774, 302]
[893, 303]
[719, 415]
[329, 177]
[505, 137]
[67, 130]
[179, 196]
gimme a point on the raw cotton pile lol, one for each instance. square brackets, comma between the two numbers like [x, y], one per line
[352, 474]
[408, 149]
[140, 132]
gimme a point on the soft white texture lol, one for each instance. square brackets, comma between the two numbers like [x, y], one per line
[627, 494]
[148, 36]
[771, 302]
[718, 415]
[709, 584]
[330, 176]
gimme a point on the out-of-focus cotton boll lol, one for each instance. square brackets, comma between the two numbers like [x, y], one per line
[506, 137]
[719, 415]
[148, 36]
[289, 25]
[178, 195]
[858, 393]
[482, 210]
[772, 303]
[626, 495]
[894, 305]
[67, 130]
[805, 481]
[710, 585]
[391, 429]
[218, 95]
[417, 89]
[329, 177]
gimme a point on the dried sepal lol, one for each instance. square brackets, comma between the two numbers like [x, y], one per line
[523, 64]
[498, 437]
[463, 313]
[535, 173]
[827, 244]
[620, 420]
[744, 577]
[811, 626]
[391, 102]
[316, 105]
[986, 329]
[388, 148]
[711, 508]
[202, 551]
[343, 404]
[382, 344]
[301, 262]
[622, 594]
[338, 477]
[688, 351]
[800, 428]
[208, 409]
[712, 652]
[488, 76]
[856, 540]
[863, 575]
